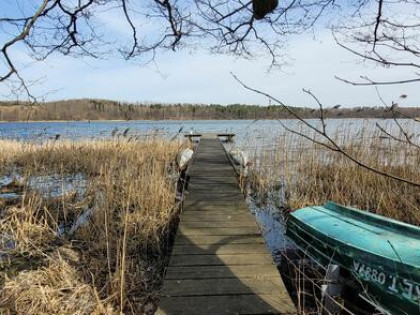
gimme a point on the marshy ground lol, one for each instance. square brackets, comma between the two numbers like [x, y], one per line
[297, 173]
[111, 263]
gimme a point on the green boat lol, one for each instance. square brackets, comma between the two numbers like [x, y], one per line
[382, 254]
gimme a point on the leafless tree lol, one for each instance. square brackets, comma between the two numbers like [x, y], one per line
[384, 32]
[76, 27]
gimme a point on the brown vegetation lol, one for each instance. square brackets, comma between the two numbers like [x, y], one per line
[314, 175]
[113, 263]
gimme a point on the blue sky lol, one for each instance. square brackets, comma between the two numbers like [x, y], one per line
[199, 77]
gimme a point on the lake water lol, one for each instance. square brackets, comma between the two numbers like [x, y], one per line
[248, 131]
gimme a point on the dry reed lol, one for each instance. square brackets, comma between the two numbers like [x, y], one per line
[314, 175]
[296, 173]
[114, 262]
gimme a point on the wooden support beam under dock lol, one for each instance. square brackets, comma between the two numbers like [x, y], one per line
[227, 136]
[219, 262]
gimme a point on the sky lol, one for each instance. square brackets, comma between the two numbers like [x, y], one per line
[200, 77]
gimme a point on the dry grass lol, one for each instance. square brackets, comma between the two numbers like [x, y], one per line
[314, 175]
[56, 288]
[296, 173]
[112, 264]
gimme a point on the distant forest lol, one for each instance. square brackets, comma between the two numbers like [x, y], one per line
[90, 109]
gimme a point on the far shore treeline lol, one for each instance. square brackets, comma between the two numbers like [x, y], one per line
[94, 109]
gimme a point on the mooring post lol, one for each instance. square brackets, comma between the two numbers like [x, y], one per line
[330, 290]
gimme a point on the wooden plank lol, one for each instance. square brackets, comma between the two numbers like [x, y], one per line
[213, 193]
[219, 167]
[212, 189]
[209, 200]
[212, 181]
[203, 189]
[216, 171]
[212, 158]
[236, 304]
[210, 174]
[227, 196]
[219, 249]
[217, 272]
[210, 164]
[231, 209]
[195, 189]
[229, 286]
[219, 239]
[187, 231]
[213, 167]
[221, 260]
[216, 210]
[219, 171]
[214, 202]
[221, 224]
[205, 216]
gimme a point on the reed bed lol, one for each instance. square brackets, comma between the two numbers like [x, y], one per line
[111, 263]
[294, 172]
[311, 174]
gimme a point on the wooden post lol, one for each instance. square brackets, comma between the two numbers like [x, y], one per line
[330, 290]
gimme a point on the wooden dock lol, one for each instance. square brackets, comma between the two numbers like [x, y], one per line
[219, 263]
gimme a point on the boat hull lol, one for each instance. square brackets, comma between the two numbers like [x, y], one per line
[388, 280]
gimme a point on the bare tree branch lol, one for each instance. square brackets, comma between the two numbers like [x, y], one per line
[133, 28]
[330, 143]
[369, 30]
[391, 136]
[371, 82]
[377, 24]
[29, 23]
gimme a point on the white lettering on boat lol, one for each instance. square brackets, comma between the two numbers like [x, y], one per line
[393, 286]
[392, 283]
[356, 265]
[408, 289]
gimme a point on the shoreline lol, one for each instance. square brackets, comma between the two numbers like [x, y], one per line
[262, 119]
[84, 120]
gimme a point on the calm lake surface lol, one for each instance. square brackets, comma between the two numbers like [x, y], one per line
[249, 132]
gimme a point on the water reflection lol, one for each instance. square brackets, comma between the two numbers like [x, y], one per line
[51, 185]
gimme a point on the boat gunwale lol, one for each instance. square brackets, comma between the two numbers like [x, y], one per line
[377, 219]
[395, 260]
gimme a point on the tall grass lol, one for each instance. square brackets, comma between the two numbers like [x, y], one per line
[313, 174]
[113, 263]
[295, 172]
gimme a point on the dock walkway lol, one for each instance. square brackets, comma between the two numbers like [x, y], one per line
[219, 263]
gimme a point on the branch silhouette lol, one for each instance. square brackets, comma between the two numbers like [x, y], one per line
[330, 144]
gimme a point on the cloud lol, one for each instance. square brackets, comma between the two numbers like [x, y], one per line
[200, 77]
